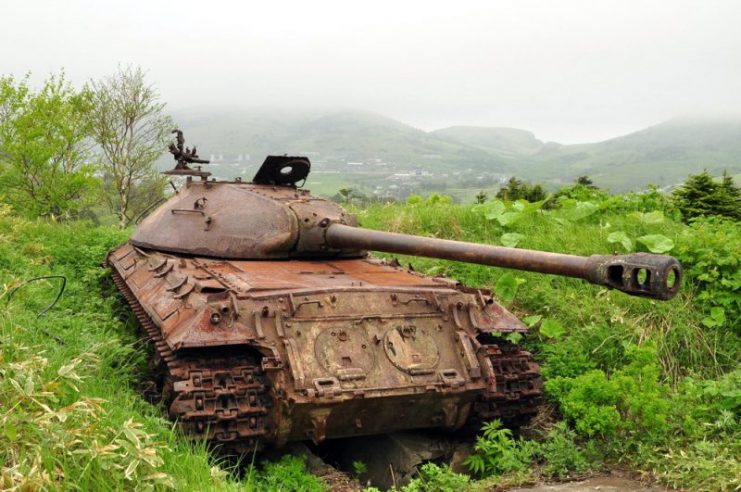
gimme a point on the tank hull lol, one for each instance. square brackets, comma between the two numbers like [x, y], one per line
[258, 353]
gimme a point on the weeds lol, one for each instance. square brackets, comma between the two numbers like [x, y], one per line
[71, 416]
[650, 384]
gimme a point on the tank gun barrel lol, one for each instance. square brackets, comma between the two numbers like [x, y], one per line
[639, 274]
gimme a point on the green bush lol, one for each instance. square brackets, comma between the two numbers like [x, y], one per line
[496, 452]
[562, 454]
[287, 475]
[436, 478]
[630, 402]
[710, 252]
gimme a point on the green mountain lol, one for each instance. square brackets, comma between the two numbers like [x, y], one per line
[505, 142]
[375, 154]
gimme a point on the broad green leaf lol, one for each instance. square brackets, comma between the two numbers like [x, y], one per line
[506, 288]
[580, 210]
[511, 239]
[650, 218]
[514, 337]
[494, 209]
[655, 217]
[531, 321]
[717, 317]
[656, 243]
[508, 217]
[621, 238]
[551, 329]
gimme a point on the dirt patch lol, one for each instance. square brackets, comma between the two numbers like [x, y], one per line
[603, 483]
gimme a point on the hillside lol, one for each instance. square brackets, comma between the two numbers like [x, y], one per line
[663, 154]
[378, 155]
[653, 386]
[507, 142]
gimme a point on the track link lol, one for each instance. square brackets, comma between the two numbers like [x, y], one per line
[222, 396]
[516, 390]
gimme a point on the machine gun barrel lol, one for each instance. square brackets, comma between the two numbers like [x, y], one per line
[639, 274]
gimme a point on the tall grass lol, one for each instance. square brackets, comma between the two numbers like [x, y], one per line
[668, 374]
[72, 417]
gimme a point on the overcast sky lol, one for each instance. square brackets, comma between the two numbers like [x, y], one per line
[571, 71]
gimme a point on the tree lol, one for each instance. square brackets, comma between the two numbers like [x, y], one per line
[482, 196]
[701, 195]
[729, 198]
[585, 181]
[129, 125]
[44, 149]
[519, 190]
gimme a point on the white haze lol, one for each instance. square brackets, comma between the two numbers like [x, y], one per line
[568, 70]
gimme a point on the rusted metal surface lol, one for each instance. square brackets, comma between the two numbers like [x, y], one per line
[183, 156]
[346, 347]
[273, 325]
[247, 221]
[282, 170]
[223, 399]
[618, 272]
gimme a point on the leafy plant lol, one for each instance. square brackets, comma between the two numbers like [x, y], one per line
[562, 454]
[575, 210]
[619, 237]
[497, 452]
[506, 288]
[710, 252]
[656, 243]
[511, 239]
[649, 218]
[436, 478]
[551, 328]
[288, 474]
[631, 400]
[359, 468]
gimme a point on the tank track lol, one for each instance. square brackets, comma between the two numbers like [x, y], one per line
[517, 388]
[220, 396]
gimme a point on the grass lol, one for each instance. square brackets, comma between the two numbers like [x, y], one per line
[72, 416]
[649, 385]
[652, 385]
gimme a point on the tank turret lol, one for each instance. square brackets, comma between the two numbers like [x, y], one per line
[270, 218]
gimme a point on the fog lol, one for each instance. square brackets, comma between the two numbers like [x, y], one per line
[569, 71]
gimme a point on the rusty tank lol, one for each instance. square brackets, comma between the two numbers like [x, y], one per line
[272, 324]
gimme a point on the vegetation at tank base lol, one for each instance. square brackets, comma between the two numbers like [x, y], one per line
[654, 386]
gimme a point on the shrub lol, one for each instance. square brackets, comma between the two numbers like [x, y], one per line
[435, 478]
[631, 402]
[519, 190]
[497, 452]
[710, 252]
[562, 454]
[702, 196]
[288, 474]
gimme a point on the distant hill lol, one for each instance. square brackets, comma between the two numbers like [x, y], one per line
[506, 142]
[376, 154]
